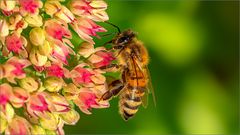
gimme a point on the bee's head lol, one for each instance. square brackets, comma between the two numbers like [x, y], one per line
[123, 38]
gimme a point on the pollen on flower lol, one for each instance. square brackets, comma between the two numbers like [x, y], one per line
[43, 70]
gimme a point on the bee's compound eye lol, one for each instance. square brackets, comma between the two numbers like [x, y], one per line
[123, 40]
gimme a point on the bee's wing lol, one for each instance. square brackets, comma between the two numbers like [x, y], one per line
[150, 88]
[145, 71]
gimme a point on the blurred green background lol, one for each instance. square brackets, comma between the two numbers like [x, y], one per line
[194, 64]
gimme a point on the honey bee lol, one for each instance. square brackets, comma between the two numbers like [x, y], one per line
[135, 84]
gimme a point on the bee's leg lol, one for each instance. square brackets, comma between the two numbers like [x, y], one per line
[112, 68]
[114, 89]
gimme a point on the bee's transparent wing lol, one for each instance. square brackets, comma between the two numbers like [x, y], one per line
[150, 88]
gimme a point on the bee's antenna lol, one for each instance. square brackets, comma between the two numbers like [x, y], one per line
[119, 31]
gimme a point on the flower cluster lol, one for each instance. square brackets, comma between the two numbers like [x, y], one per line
[43, 75]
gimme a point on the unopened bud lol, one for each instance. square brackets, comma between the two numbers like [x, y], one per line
[45, 49]
[37, 36]
[3, 124]
[70, 91]
[50, 132]
[34, 20]
[8, 113]
[71, 117]
[49, 123]
[53, 84]
[29, 84]
[52, 7]
[37, 130]
[7, 5]
[36, 58]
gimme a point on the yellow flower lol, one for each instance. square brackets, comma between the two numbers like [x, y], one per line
[37, 36]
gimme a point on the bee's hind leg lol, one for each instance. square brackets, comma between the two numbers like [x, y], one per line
[115, 88]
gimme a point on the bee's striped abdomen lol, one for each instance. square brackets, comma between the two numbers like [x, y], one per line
[130, 101]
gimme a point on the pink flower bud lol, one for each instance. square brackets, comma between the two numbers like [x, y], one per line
[94, 10]
[14, 43]
[80, 75]
[55, 70]
[29, 6]
[19, 97]
[85, 28]
[5, 94]
[56, 29]
[101, 59]
[39, 103]
[60, 103]
[14, 68]
[18, 126]
[87, 100]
